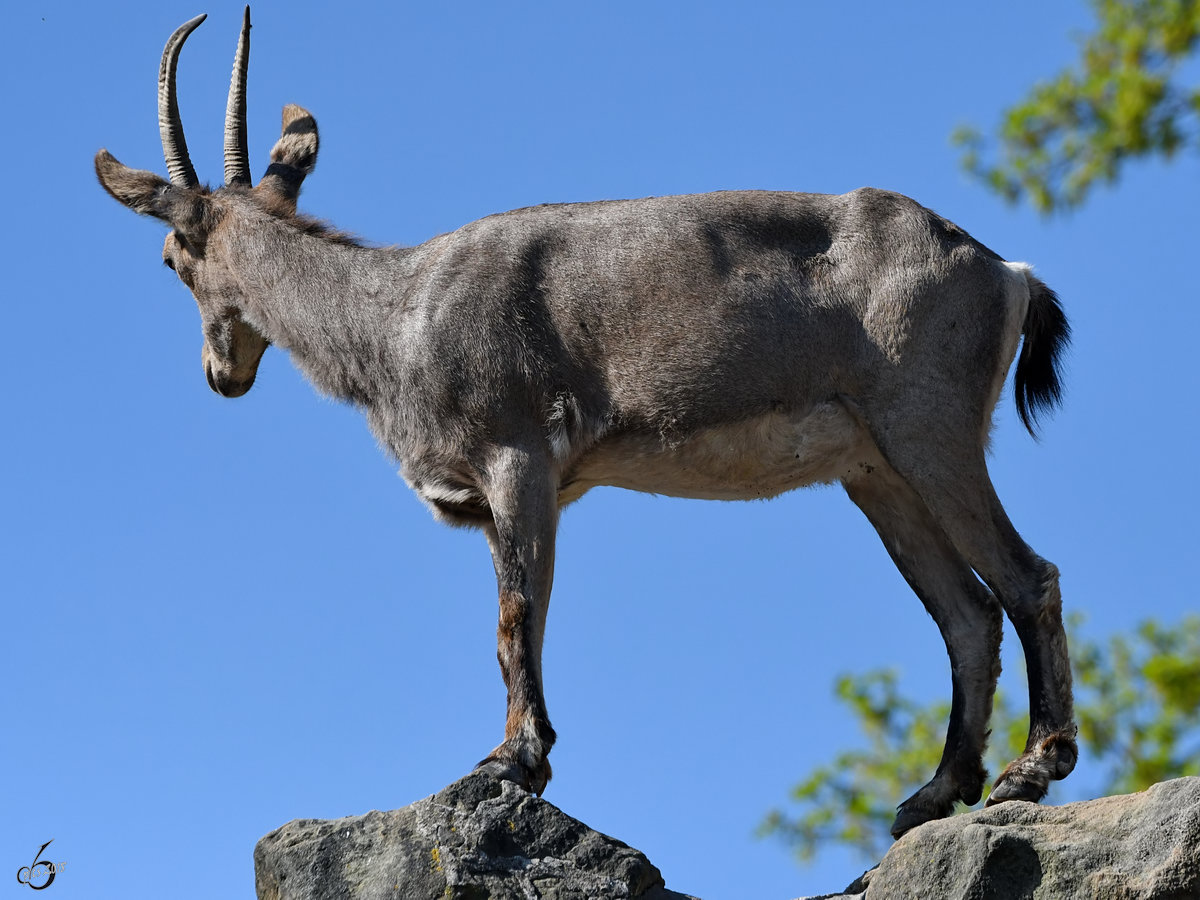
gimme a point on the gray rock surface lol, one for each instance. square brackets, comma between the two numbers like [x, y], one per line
[482, 838]
[1143, 846]
[478, 838]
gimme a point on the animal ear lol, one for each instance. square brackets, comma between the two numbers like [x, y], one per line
[148, 194]
[293, 157]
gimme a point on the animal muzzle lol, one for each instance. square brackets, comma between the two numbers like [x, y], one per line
[226, 384]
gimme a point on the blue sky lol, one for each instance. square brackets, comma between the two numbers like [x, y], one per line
[225, 614]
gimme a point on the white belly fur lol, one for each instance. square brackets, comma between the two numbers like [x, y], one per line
[750, 460]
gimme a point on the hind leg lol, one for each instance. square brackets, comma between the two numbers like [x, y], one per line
[950, 476]
[1050, 750]
[970, 621]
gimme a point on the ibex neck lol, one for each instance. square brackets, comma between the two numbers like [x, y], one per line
[335, 306]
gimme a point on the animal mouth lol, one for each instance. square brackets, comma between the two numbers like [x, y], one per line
[226, 387]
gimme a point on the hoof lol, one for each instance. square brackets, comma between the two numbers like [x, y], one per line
[1017, 788]
[533, 780]
[918, 810]
[1028, 777]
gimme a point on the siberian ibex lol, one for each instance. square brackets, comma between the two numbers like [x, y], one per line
[725, 346]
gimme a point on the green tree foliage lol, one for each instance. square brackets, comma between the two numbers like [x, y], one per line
[1123, 99]
[1137, 702]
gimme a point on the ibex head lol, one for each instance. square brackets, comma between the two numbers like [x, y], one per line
[232, 346]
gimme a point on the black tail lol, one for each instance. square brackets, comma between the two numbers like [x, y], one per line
[1037, 381]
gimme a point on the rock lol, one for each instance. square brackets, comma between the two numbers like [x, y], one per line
[478, 838]
[483, 838]
[1143, 846]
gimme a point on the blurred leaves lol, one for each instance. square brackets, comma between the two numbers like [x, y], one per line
[1123, 99]
[1137, 702]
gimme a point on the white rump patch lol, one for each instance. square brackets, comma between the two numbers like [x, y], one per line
[1019, 292]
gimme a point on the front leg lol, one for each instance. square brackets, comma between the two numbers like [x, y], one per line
[521, 494]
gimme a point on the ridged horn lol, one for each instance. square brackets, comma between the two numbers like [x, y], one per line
[170, 127]
[237, 157]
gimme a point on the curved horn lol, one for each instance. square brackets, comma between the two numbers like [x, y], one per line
[237, 158]
[170, 127]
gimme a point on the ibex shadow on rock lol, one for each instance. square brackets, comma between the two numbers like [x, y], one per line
[726, 346]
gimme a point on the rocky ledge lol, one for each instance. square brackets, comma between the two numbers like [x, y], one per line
[482, 838]
[478, 839]
[1143, 846]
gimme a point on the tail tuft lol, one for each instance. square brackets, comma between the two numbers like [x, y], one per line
[1038, 381]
